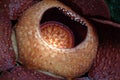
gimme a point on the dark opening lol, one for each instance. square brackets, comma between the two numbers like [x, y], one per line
[54, 14]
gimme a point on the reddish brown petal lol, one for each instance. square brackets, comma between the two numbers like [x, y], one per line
[106, 22]
[4, 8]
[16, 7]
[20, 73]
[90, 8]
[106, 66]
[7, 56]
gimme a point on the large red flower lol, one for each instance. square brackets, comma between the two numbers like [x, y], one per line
[106, 65]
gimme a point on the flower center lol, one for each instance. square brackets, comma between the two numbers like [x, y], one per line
[57, 34]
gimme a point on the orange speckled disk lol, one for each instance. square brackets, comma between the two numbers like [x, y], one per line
[57, 34]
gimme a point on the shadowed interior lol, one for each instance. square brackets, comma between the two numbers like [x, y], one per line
[54, 14]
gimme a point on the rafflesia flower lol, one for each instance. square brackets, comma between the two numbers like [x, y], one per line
[105, 66]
